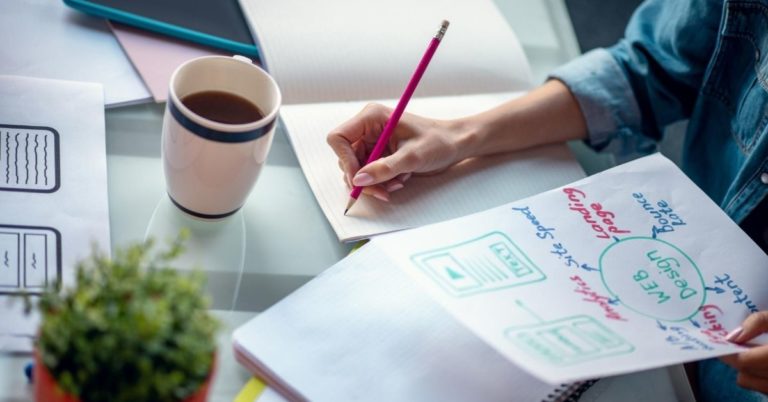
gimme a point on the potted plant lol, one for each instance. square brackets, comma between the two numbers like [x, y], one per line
[130, 329]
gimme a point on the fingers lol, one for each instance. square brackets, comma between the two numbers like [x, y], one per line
[754, 325]
[398, 182]
[731, 360]
[347, 159]
[367, 122]
[387, 168]
[751, 364]
[377, 192]
[757, 383]
[382, 191]
[753, 361]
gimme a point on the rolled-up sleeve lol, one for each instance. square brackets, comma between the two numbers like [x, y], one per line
[651, 78]
[604, 96]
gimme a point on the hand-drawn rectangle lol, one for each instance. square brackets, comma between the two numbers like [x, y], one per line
[29, 159]
[486, 263]
[34, 258]
[569, 340]
[9, 260]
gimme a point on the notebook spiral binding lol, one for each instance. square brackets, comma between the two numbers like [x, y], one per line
[569, 392]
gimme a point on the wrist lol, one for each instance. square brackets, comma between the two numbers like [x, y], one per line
[468, 138]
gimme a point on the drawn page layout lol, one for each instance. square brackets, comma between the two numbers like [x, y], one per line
[53, 189]
[629, 269]
[357, 50]
[472, 186]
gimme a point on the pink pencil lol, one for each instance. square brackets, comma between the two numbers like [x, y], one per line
[383, 140]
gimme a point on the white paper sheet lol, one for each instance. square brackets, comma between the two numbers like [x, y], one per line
[467, 188]
[53, 190]
[321, 51]
[626, 270]
[47, 39]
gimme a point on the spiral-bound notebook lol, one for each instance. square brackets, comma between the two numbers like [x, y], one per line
[363, 331]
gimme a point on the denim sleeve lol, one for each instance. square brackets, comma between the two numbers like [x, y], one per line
[631, 91]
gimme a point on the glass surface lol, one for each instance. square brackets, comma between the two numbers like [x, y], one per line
[280, 239]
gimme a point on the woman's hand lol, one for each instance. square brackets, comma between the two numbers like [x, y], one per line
[751, 365]
[548, 114]
[418, 146]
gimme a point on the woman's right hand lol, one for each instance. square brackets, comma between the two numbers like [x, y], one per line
[418, 146]
[546, 115]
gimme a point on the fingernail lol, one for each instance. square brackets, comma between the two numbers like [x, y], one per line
[394, 186]
[733, 335]
[362, 179]
[406, 177]
[381, 197]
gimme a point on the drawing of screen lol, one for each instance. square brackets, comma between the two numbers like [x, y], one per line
[30, 258]
[29, 159]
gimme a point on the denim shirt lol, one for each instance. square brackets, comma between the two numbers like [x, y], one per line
[703, 60]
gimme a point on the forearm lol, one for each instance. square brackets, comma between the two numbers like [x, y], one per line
[549, 114]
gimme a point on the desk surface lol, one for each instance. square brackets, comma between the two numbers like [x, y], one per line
[281, 214]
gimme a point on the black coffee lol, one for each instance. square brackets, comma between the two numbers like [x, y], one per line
[222, 107]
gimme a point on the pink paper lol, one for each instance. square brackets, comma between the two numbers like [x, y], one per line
[156, 56]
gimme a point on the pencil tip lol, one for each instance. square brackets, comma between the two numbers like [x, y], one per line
[349, 205]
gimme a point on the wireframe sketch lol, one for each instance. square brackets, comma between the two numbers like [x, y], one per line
[29, 159]
[30, 258]
[567, 340]
[486, 263]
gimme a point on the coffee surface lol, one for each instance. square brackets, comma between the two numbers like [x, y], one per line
[222, 107]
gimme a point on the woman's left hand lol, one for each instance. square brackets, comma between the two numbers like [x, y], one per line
[752, 365]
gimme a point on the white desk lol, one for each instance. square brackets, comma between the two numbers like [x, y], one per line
[281, 218]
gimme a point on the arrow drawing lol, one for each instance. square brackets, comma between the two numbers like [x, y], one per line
[714, 289]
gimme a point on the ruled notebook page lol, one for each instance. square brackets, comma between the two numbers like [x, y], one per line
[344, 50]
[472, 186]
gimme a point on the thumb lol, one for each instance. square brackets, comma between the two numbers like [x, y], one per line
[386, 168]
[756, 324]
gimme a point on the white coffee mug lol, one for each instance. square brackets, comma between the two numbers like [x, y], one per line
[211, 167]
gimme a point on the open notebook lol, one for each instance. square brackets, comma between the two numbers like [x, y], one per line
[365, 331]
[331, 58]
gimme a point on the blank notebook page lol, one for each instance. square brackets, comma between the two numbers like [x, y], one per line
[472, 186]
[323, 51]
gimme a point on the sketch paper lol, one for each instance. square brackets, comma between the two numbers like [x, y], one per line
[47, 39]
[53, 191]
[626, 270]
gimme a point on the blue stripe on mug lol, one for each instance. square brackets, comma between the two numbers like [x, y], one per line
[216, 135]
[201, 215]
